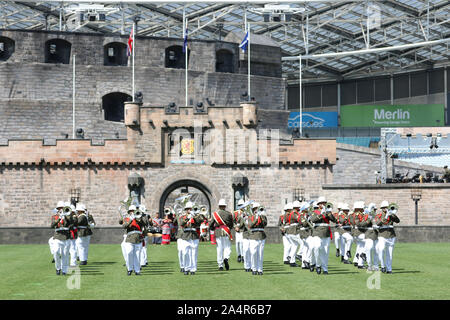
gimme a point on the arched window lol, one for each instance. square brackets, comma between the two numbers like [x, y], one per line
[224, 61]
[113, 106]
[6, 48]
[175, 57]
[115, 54]
[57, 51]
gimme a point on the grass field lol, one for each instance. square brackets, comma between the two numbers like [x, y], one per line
[421, 271]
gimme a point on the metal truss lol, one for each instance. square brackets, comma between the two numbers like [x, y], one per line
[322, 27]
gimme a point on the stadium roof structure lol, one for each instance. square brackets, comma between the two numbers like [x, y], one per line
[315, 27]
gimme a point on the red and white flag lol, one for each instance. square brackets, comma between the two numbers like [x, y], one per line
[130, 42]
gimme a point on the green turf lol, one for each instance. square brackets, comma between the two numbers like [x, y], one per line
[421, 271]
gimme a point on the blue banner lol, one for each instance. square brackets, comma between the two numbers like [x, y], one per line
[313, 119]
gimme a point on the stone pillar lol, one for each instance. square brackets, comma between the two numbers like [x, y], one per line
[249, 113]
[132, 113]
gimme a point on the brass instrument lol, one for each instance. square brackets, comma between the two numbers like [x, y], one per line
[245, 207]
[123, 208]
[261, 210]
[392, 209]
[66, 211]
[204, 211]
[328, 207]
[168, 210]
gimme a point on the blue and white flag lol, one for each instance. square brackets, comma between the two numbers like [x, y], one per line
[244, 43]
[185, 40]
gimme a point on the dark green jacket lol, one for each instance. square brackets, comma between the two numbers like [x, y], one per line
[190, 226]
[386, 226]
[291, 222]
[322, 231]
[227, 218]
[61, 226]
[305, 229]
[83, 226]
[134, 235]
[345, 225]
[354, 218]
[256, 225]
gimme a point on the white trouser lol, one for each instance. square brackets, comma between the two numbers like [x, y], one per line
[133, 252]
[346, 244]
[124, 252]
[238, 239]
[294, 244]
[286, 247]
[300, 247]
[223, 249]
[337, 240]
[246, 253]
[359, 249]
[180, 247]
[321, 247]
[371, 253]
[73, 252]
[385, 251]
[144, 252]
[82, 244]
[51, 244]
[257, 254]
[61, 254]
[190, 250]
[305, 251]
[310, 257]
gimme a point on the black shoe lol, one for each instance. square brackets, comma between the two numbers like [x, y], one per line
[357, 256]
[143, 266]
[137, 273]
[65, 273]
[192, 273]
[129, 273]
[360, 267]
[305, 267]
[349, 254]
[242, 259]
[287, 260]
[239, 259]
[83, 263]
[247, 270]
[182, 270]
[311, 268]
[186, 273]
[342, 258]
[347, 262]
[294, 265]
[383, 270]
[306, 264]
[319, 270]
[364, 257]
[299, 257]
[254, 273]
[355, 264]
[124, 265]
[260, 273]
[337, 253]
[58, 272]
[220, 268]
[225, 262]
[325, 272]
[389, 272]
[53, 260]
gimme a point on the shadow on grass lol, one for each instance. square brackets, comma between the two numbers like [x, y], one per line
[100, 263]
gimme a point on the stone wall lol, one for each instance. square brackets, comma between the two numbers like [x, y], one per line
[114, 235]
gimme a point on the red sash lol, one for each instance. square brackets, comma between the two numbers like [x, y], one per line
[135, 224]
[329, 228]
[222, 225]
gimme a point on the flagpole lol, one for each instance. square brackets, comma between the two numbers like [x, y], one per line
[185, 58]
[300, 95]
[248, 63]
[73, 98]
[133, 49]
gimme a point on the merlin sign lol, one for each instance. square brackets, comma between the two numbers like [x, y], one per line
[419, 115]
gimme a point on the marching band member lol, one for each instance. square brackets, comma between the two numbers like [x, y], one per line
[190, 223]
[73, 231]
[345, 229]
[257, 236]
[61, 222]
[311, 256]
[181, 243]
[292, 232]
[123, 245]
[238, 233]
[242, 224]
[336, 233]
[358, 233]
[305, 233]
[386, 236]
[133, 242]
[321, 235]
[51, 242]
[222, 223]
[84, 232]
[286, 245]
[371, 239]
[148, 222]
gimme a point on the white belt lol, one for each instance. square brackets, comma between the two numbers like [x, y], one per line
[257, 229]
[81, 227]
[62, 229]
[302, 228]
[190, 229]
[345, 227]
[386, 227]
[133, 232]
[369, 228]
[321, 225]
[291, 225]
